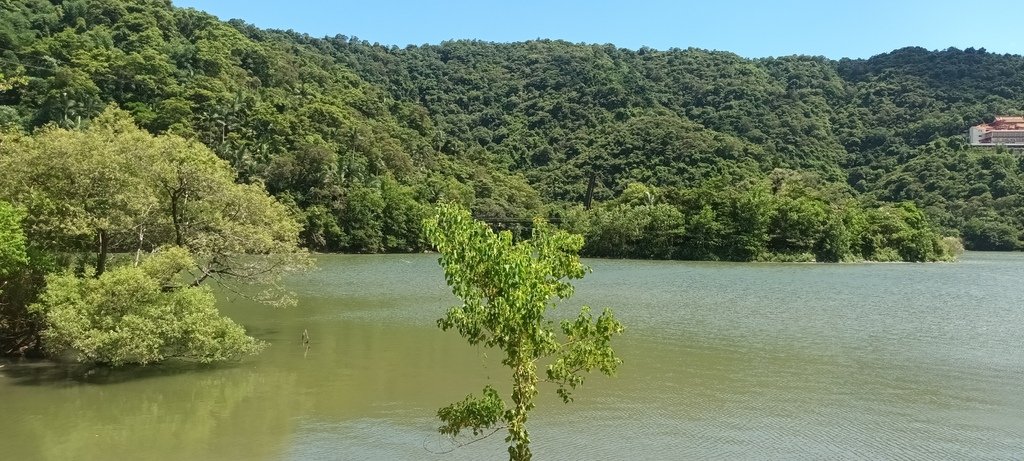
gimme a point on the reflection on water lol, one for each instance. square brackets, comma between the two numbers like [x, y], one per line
[722, 361]
[157, 413]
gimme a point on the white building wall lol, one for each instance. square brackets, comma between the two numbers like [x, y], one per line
[974, 136]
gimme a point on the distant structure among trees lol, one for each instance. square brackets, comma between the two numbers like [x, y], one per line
[1003, 131]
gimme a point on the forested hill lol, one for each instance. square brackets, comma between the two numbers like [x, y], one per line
[360, 138]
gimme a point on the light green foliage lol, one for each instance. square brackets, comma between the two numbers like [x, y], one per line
[21, 272]
[507, 289]
[112, 187]
[76, 186]
[835, 240]
[12, 241]
[901, 233]
[475, 414]
[134, 315]
[645, 231]
[8, 83]
[797, 223]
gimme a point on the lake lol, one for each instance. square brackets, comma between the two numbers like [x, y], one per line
[721, 361]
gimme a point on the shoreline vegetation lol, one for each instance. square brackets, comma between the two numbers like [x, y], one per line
[72, 198]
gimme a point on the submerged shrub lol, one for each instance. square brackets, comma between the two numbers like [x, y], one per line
[137, 315]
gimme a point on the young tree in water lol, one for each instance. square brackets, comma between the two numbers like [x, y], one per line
[506, 289]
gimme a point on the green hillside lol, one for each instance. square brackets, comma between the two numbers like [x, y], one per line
[790, 158]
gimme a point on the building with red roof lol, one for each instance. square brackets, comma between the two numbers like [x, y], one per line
[1003, 131]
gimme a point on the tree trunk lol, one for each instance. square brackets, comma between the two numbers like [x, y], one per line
[101, 259]
[523, 389]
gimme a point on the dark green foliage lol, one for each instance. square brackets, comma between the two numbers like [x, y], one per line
[562, 113]
[976, 192]
[362, 137]
[991, 235]
[273, 104]
[787, 217]
[384, 216]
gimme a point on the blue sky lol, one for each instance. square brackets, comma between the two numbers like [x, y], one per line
[753, 29]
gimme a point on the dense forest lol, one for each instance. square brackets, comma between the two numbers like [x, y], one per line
[680, 153]
[147, 151]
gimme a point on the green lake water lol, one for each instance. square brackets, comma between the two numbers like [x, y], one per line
[722, 361]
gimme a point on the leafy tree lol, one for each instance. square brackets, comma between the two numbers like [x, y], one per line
[797, 224]
[12, 240]
[321, 231]
[507, 289]
[14, 323]
[787, 216]
[110, 188]
[136, 315]
[81, 191]
[113, 187]
[750, 210]
[21, 271]
[834, 243]
[644, 231]
[900, 233]
[991, 235]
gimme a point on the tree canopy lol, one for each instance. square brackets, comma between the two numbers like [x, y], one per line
[171, 205]
[507, 289]
[359, 139]
[127, 316]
